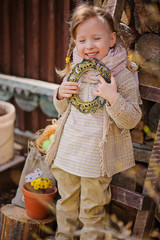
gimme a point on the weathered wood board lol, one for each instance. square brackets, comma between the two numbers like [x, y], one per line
[15, 224]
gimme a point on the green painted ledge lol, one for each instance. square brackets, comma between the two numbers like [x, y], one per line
[29, 93]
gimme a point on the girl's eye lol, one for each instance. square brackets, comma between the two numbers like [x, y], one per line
[82, 41]
[97, 38]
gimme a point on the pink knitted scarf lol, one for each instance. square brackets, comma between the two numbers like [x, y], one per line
[115, 60]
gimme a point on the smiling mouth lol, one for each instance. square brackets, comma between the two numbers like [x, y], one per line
[91, 55]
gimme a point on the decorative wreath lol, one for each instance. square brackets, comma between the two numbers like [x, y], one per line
[77, 71]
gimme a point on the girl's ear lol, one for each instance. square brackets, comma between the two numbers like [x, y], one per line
[74, 40]
[113, 39]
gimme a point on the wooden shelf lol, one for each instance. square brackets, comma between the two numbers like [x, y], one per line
[16, 160]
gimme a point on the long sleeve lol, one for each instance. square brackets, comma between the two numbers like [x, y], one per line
[60, 105]
[125, 110]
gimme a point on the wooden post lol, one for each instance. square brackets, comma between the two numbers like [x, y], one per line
[15, 224]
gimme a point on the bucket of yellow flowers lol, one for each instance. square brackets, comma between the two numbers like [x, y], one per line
[38, 195]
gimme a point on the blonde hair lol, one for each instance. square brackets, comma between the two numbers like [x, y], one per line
[82, 13]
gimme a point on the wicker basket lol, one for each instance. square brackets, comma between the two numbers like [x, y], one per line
[38, 134]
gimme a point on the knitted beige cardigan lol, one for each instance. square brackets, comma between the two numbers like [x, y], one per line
[116, 147]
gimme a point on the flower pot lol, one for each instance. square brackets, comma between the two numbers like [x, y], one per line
[37, 204]
[6, 132]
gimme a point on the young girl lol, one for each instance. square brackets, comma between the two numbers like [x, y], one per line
[89, 148]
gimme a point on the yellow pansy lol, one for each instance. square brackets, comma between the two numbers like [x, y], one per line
[42, 183]
[36, 186]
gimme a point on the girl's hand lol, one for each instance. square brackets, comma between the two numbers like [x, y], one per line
[107, 90]
[66, 89]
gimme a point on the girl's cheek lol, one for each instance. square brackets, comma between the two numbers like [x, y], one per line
[79, 53]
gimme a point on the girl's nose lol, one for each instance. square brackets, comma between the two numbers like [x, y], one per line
[89, 44]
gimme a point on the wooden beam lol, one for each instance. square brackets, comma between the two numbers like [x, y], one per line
[150, 93]
[142, 146]
[142, 155]
[141, 228]
[32, 39]
[32, 54]
[6, 37]
[115, 8]
[51, 41]
[17, 48]
[130, 198]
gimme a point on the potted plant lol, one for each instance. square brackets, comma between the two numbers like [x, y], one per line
[7, 119]
[38, 194]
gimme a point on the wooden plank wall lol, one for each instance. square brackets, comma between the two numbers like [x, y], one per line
[33, 40]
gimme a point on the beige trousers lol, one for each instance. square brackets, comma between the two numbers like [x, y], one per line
[81, 197]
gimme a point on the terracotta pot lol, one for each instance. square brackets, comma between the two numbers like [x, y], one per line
[36, 203]
[7, 132]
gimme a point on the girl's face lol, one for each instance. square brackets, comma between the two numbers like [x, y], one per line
[94, 38]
